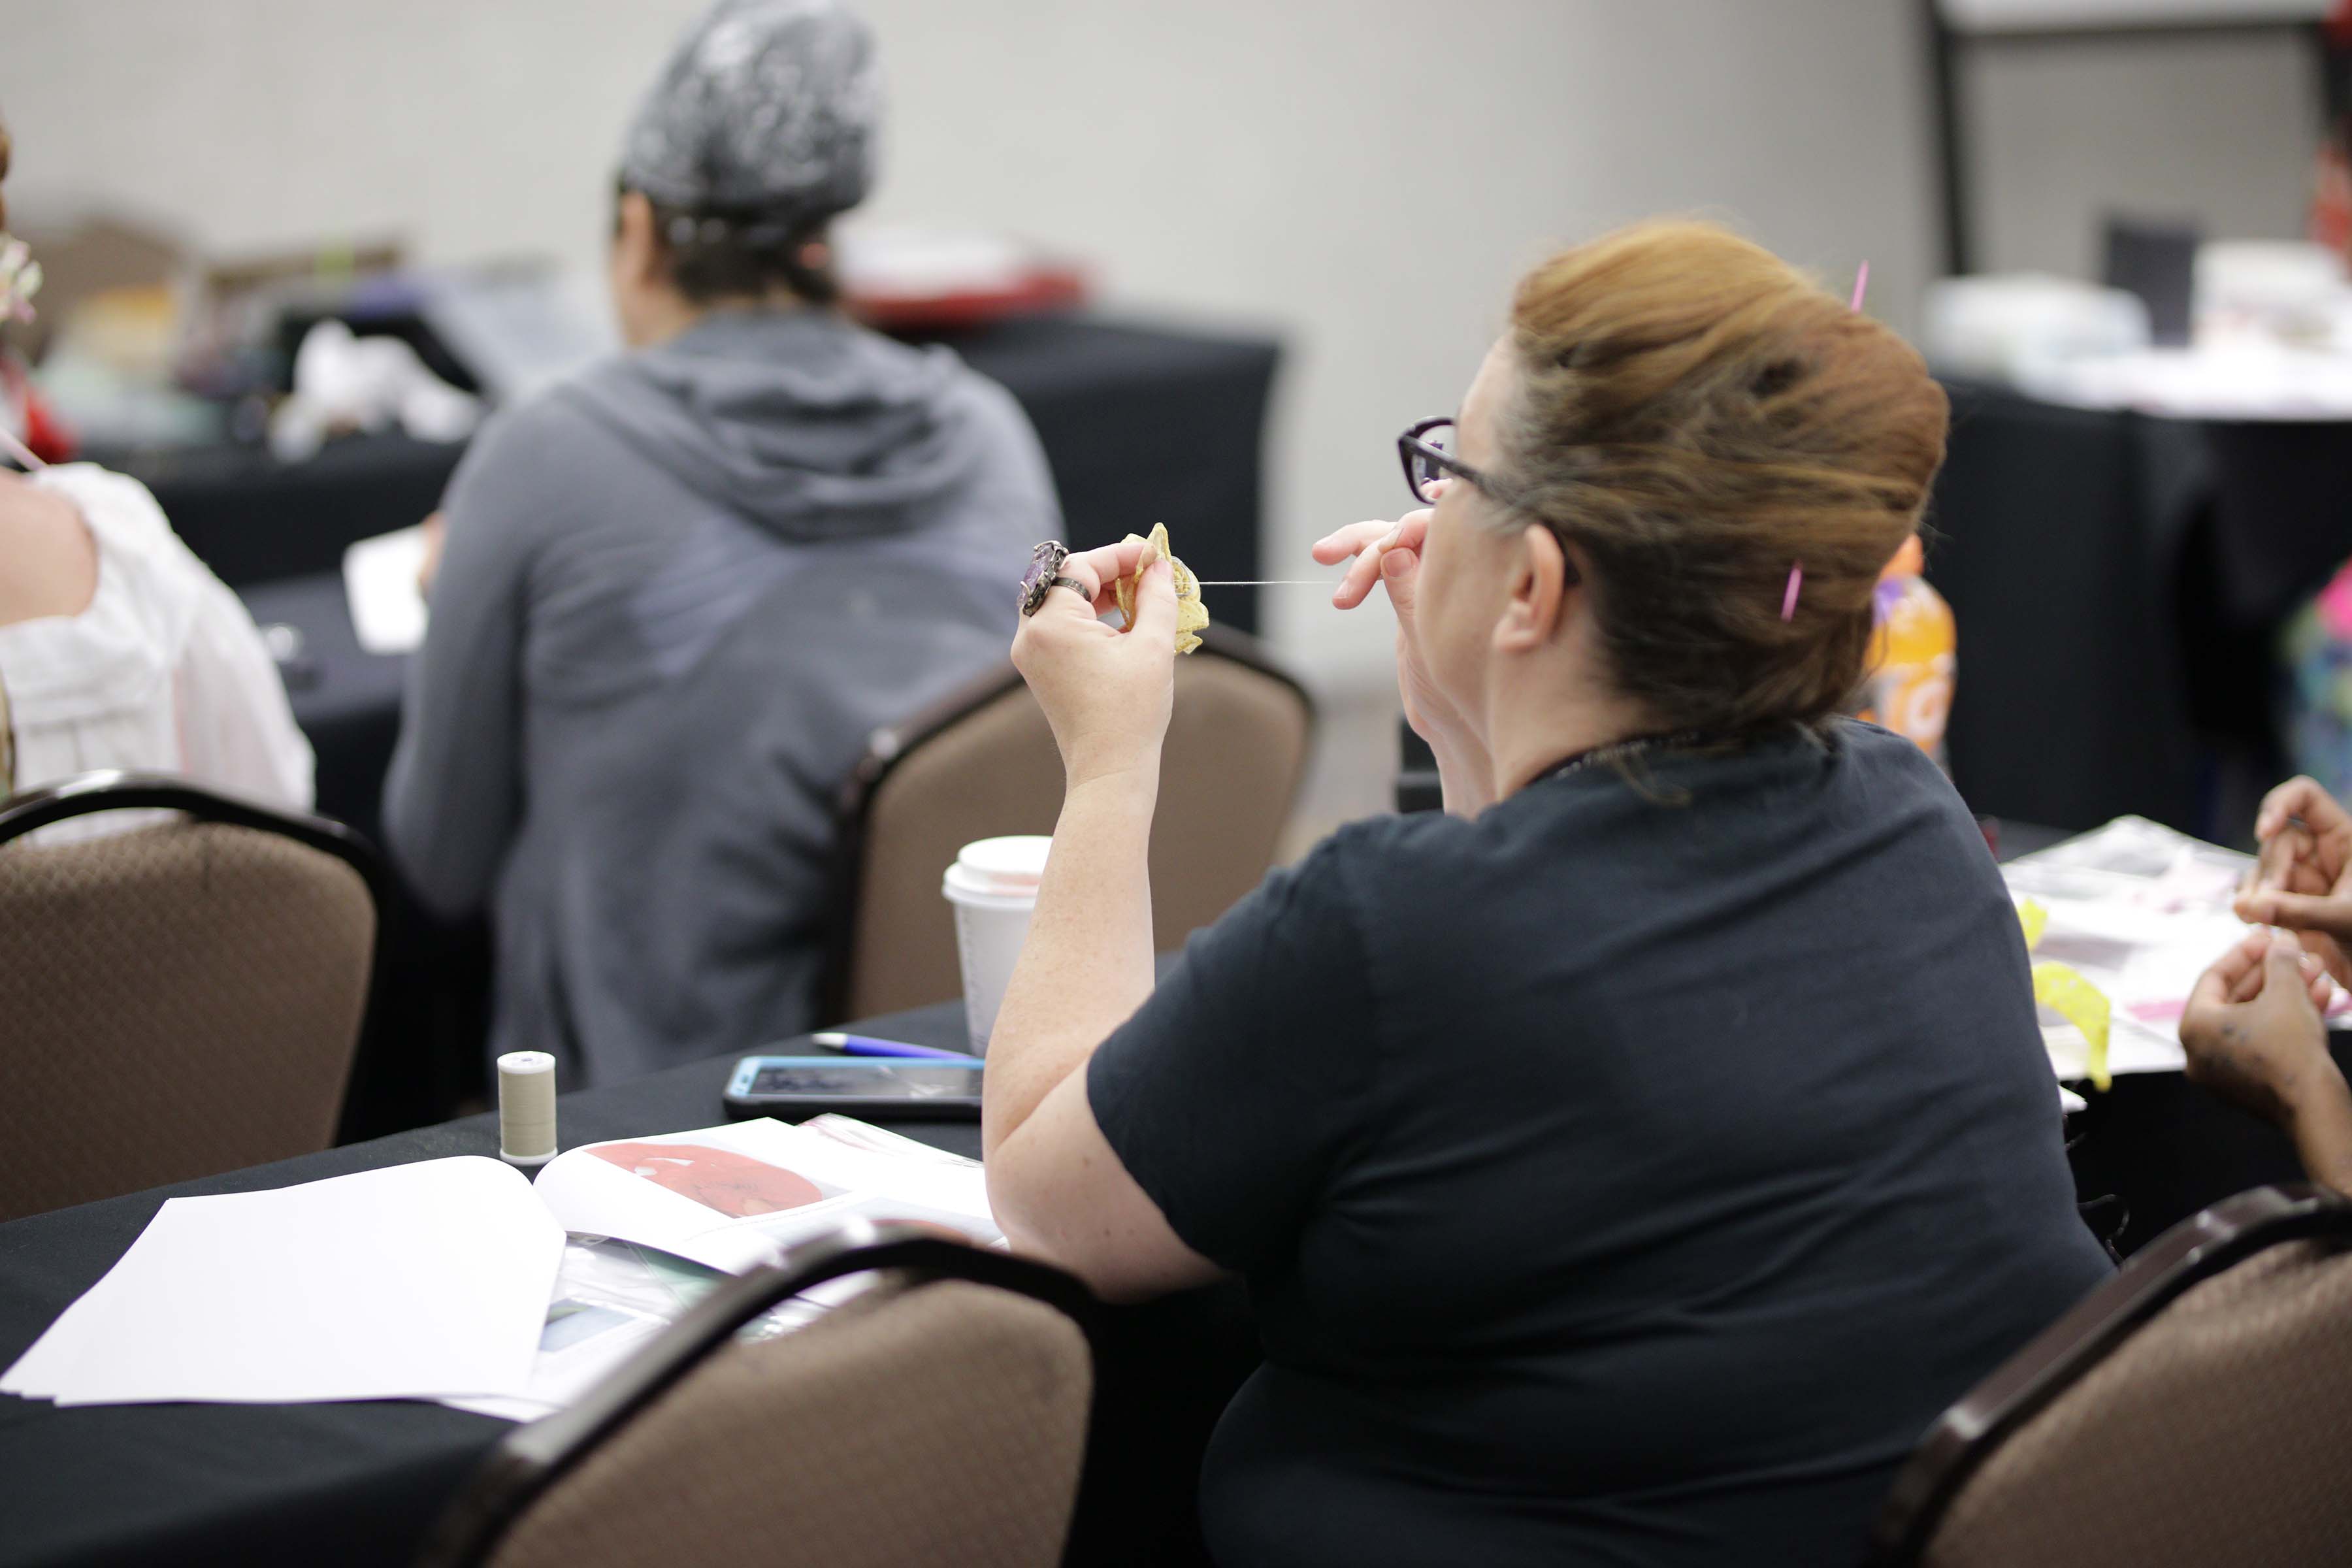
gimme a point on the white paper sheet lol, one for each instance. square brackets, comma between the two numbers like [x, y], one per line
[737, 1196]
[380, 583]
[412, 1281]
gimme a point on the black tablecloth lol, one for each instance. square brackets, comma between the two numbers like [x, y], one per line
[358, 1484]
[2118, 580]
[346, 699]
[1142, 425]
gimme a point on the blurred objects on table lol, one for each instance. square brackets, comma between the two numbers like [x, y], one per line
[904, 278]
[2269, 338]
[345, 384]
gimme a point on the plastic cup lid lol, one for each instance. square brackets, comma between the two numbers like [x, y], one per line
[1009, 865]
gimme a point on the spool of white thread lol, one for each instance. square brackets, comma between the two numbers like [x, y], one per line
[527, 1109]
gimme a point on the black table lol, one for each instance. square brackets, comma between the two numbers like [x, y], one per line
[2119, 581]
[357, 1484]
[1140, 423]
[346, 699]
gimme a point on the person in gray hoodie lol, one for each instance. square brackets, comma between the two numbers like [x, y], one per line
[679, 591]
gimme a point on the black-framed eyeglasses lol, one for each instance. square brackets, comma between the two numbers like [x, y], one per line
[1427, 450]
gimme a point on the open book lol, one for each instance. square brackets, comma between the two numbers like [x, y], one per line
[734, 1197]
[655, 1223]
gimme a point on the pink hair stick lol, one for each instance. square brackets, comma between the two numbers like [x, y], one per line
[1789, 598]
[1861, 283]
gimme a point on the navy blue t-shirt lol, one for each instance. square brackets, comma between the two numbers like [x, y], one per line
[1629, 1176]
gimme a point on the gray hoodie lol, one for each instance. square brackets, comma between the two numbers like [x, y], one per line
[678, 592]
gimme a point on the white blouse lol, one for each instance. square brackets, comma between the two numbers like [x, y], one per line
[163, 671]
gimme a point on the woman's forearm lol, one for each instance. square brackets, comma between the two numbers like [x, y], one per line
[1088, 964]
[2322, 1125]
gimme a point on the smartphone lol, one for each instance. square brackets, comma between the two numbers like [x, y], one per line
[794, 1087]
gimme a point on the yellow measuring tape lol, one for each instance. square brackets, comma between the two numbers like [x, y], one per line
[2062, 990]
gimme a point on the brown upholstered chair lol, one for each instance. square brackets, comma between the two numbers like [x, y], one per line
[2196, 1409]
[940, 1417]
[177, 999]
[981, 763]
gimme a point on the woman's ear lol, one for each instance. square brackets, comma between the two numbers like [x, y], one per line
[1544, 575]
[636, 250]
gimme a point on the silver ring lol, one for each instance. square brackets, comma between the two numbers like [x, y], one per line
[1043, 576]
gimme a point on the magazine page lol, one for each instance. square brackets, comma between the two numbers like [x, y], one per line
[611, 1299]
[735, 1196]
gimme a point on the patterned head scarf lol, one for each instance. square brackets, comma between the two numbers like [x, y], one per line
[765, 106]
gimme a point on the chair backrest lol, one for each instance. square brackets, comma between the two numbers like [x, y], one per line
[940, 1417]
[2195, 1409]
[983, 763]
[176, 1000]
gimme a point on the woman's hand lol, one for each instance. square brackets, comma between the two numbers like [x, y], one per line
[1107, 692]
[1389, 553]
[2304, 879]
[2254, 1037]
[2252, 1028]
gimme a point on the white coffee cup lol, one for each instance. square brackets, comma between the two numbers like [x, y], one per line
[993, 887]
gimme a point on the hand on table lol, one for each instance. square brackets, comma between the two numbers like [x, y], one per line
[1107, 694]
[437, 535]
[2304, 879]
[2252, 1030]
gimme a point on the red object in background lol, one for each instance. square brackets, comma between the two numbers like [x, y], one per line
[1043, 288]
[2339, 24]
[45, 433]
[2331, 199]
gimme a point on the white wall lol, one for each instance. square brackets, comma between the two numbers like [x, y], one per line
[1364, 176]
[2216, 130]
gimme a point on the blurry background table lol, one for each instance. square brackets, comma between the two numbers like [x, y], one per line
[1142, 425]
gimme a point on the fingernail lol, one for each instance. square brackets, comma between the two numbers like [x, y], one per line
[1395, 563]
[1388, 540]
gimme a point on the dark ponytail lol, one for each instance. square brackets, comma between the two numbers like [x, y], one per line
[716, 253]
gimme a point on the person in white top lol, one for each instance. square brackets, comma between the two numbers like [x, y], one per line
[121, 649]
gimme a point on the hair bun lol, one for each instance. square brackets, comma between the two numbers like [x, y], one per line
[1697, 415]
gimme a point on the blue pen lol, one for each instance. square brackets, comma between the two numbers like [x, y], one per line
[867, 1045]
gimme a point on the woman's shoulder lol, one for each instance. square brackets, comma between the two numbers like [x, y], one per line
[141, 561]
[118, 510]
[1883, 754]
[1371, 857]
[117, 653]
